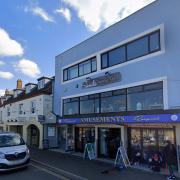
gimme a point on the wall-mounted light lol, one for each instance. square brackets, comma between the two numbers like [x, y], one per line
[88, 78]
[107, 73]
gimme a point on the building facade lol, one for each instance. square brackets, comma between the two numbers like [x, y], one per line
[28, 111]
[122, 85]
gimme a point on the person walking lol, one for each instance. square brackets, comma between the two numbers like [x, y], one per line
[170, 155]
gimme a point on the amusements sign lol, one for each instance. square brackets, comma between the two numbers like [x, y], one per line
[154, 118]
[102, 80]
[89, 151]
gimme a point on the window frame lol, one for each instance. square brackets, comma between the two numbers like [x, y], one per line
[123, 91]
[94, 58]
[126, 44]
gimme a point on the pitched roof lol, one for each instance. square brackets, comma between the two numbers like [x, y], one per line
[34, 92]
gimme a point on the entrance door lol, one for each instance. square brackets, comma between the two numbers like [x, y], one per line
[62, 137]
[109, 141]
[83, 135]
[33, 136]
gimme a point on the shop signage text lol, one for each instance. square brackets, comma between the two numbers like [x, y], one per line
[154, 118]
[102, 80]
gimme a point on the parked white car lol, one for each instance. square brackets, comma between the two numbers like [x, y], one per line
[14, 153]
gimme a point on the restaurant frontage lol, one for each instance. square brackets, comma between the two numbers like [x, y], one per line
[142, 133]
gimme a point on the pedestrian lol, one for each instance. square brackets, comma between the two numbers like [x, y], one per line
[170, 155]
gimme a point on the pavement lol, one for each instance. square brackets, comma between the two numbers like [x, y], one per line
[73, 167]
[50, 165]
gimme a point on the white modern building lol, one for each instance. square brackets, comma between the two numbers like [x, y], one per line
[123, 85]
[28, 111]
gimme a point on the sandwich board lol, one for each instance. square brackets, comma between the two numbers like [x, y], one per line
[122, 159]
[89, 151]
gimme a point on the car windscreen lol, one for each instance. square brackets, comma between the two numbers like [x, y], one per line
[11, 140]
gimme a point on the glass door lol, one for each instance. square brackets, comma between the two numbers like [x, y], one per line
[62, 137]
[109, 141]
[83, 135]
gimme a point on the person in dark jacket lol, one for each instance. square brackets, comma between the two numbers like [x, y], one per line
[170, 154]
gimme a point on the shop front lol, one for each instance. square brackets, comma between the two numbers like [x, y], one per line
[142, 131]
[149, 140]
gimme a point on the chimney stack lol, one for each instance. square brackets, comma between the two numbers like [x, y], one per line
[19, 84]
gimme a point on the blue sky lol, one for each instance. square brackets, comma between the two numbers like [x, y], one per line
[33, 32]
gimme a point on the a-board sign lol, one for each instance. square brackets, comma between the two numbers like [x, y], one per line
[89, 151]
[122, 159]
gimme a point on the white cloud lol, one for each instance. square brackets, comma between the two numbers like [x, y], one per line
[96, 14]
[6, 75]
[2, 92]
[8, 46]
[1, 63]
[28, 68]
[38, 11]
[65, 12]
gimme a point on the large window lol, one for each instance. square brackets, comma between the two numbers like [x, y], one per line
[137, 48]
[113, 101]
[89, 104]
[71, 106]
[80, 69]
[140, 47]
[145, 97]
[113, 57]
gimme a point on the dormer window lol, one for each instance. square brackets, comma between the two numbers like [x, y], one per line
[29, 87]
[42, 81]
[41, 84]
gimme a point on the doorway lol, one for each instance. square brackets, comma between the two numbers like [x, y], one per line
[33, 136]
[62, 137]
[108, 142]
[83, 135]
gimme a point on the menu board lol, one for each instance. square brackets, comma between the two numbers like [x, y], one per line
[89, 151]
[121, 158]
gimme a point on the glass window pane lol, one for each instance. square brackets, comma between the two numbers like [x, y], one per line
[135, 89]
[119, 92]
[153, 86]
[89, 106]
[73, 72]
[104, 60]
[137, 48]
[154, 42]
[65, 75]
[117, 56]
[145, 100]
[106, 94]
[84, 98]
[113, 104]
[81, 69]
[71, 108]
[87, 67]
[94, 65]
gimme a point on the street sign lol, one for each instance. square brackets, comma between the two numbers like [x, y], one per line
[122, 159]
[89, 151]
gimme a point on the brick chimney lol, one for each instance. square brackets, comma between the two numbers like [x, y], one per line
[19, 84]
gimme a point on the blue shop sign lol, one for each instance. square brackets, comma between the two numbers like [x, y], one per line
[41, 118]
[153, 118]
